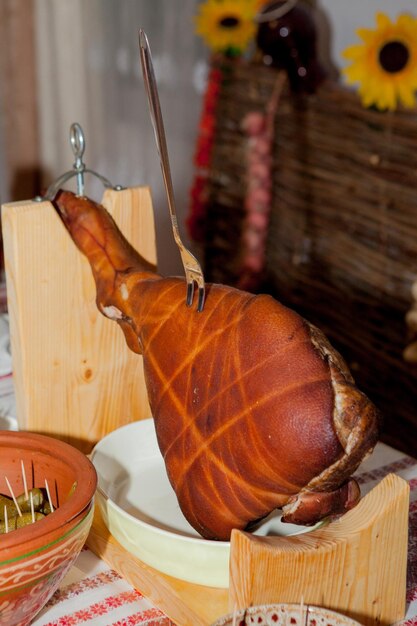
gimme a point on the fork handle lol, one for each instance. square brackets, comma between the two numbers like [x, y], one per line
[158, 125]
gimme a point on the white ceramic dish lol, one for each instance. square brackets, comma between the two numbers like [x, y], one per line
[141, 510]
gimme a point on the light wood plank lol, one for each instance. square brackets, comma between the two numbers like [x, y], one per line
[75, 377]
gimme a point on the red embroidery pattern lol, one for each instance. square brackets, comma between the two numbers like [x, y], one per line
[151, 617]
[94, 582]
[99, 608]
[409, 622]
[378, 473]
[412, 553]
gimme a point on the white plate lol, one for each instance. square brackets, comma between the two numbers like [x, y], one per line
[141, 510]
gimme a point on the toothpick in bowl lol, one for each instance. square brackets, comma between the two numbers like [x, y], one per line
[13, 496]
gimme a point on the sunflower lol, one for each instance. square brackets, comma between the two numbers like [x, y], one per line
[385, 64]
[227, 25]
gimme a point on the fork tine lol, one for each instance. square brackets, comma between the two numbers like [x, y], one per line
[190, 292]
[200, 299]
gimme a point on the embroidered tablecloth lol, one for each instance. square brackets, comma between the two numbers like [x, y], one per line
[92, 594]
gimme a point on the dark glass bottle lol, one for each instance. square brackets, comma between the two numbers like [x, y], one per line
[289, 42]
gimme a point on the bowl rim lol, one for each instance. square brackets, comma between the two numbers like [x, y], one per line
[289, 606]
[66, 514]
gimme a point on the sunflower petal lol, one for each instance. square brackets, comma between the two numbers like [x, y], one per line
[366, 34]
[369, 93]
[353, 52]
[354, 74]
[407, 22]
[382, 21]
[406, 95]
[390, 96]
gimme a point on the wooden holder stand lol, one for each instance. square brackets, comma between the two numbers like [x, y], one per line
[76, 379]
[355, 565]
[74, 376]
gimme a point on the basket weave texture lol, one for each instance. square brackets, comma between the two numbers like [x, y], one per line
[342, 242]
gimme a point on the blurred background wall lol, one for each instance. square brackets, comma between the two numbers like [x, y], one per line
[62, 62]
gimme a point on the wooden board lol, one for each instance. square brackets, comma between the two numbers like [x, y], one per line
[75, 377]
[185, 603]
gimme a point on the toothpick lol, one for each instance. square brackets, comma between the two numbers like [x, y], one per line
[49, 496]
[32, 508]
[13, 496]
[25, 485]
[6, 520]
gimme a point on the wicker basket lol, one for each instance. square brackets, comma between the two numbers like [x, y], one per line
[342, 243]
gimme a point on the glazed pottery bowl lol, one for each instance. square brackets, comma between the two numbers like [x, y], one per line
[286, 615]
[35, 558]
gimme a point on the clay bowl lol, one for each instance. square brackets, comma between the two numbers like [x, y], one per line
[286, 615]
[35, 558]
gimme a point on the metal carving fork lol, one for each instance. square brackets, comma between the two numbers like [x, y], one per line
[192, 268]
